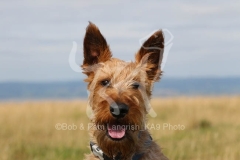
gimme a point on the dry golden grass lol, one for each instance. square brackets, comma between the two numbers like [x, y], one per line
[212, 129]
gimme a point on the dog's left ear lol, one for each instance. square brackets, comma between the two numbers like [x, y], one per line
[151, 54]
[95, 46]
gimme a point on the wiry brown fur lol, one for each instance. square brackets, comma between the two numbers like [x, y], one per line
[99, 65]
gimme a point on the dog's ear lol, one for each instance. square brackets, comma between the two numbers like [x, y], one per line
[95, 46]
[151, 54]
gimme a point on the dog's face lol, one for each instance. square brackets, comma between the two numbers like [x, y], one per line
[119, 89]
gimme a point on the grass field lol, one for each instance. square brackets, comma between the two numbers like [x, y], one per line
[210, 129]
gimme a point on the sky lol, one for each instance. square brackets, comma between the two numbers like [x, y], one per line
[36, 37]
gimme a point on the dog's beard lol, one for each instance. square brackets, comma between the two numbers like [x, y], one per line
[125, 146]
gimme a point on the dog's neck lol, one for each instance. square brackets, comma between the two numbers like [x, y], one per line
[144, 141]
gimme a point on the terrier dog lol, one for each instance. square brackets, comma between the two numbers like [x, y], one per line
[119, 98]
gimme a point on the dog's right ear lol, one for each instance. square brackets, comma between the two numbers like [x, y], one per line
[95, 47]
[151, 53]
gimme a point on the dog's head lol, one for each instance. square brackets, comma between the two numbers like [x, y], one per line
[119, 90]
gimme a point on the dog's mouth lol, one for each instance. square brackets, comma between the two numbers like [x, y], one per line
[116, 132]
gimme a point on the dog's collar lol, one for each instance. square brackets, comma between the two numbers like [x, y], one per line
[99, 153]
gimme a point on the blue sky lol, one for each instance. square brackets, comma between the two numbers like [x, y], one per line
[36, 37]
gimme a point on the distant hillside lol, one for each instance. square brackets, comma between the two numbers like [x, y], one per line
[198, 86]
[77, 89]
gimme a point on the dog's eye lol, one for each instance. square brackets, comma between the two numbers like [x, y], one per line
[135, 85]
[105, 82]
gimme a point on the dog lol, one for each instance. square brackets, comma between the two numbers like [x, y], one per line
[119, 93]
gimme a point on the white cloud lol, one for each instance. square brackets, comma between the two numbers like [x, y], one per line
[39, 35]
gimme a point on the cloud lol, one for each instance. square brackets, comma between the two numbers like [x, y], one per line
[38, 36]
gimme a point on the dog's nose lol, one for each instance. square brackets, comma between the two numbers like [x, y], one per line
[119, 110]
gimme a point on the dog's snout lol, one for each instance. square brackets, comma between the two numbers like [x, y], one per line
[119, 110]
